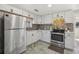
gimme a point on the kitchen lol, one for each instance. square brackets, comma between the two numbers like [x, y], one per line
[31, 29]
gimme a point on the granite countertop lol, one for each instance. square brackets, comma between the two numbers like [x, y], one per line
[69, 32]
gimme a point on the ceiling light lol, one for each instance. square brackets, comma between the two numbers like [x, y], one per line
[49, 5]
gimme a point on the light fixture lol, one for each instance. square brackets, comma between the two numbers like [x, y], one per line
[36, 10]
[49, 5]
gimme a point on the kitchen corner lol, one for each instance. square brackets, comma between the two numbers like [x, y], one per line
[44, 33]
[38, 30]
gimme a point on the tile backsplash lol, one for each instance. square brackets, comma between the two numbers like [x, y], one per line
[69, 27]
[41, 26]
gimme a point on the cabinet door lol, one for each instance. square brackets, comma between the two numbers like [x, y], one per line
[38, 20]
[46, 36]
[43, 20]
[35, 35]
[69, 40]
[31, 23]
[62, 14]
[29, 38]
[28, 23]
[69, 20]
[38, 33]
[47, 19]
[32, 37]
[55, 15]
[69, 17]
[34, 19]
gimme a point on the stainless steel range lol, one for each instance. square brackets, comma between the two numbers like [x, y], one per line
[57, 38]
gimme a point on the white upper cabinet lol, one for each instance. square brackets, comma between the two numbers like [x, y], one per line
[46, 19]
[69, 17]
[34, 19]
[61, 14]
[37, 19]
[28, 23]
[32, 15]
[55, 15]
[43, 19]
[49, 18]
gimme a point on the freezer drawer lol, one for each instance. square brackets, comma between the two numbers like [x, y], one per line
[15, 41]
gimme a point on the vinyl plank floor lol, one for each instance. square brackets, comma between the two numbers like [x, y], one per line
[42, 48]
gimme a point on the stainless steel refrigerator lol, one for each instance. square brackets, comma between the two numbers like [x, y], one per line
[15, 34]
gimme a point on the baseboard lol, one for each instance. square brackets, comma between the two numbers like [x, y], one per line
[23, 51]
[32, 43]
[38, 41]
[69, 49]
[45, 41]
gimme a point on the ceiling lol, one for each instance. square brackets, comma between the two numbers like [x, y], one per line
[43, 8]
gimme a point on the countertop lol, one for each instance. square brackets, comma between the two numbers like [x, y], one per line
[57, 33]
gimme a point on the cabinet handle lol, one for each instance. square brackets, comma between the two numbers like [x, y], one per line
[7, 15]
[32, 34]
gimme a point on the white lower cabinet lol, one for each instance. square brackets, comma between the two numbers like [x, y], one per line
[29, 37]
[46, 36]
[38, 34]
[35, 35]
[69, 40]
[32, 36]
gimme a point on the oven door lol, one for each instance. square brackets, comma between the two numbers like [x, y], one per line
[57, 37]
